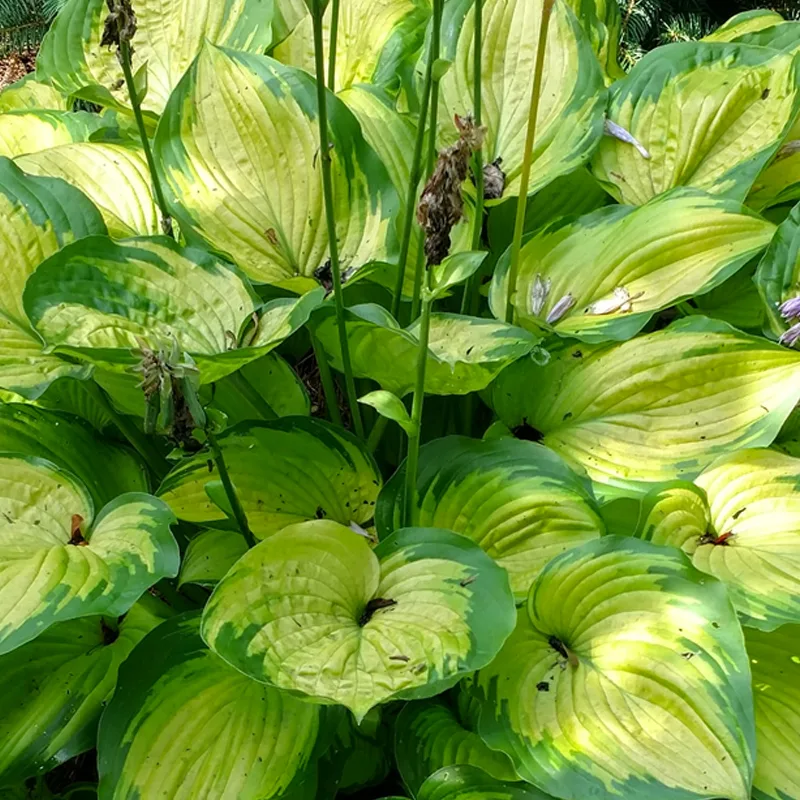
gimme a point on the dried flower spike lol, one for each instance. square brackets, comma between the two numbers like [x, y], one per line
[442, 206]
[494, 180]
[120, 24]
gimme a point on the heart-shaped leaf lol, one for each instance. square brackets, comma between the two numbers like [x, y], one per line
[570, 118]
[518, 500]
[59, 562]
[167, 39]
[180, 712]
[314, 610]
[657, 408]
[621, 264]
[29, 131]
[383, 37]
[285, 471]
[53, 689]
[464, 353]
[432, 734]
[250, 201]
[37, 217]
[709, 114]
[627, 678]
[210, 555]
[114, 176]
[775, 662]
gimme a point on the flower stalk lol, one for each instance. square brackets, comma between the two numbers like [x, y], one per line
[120, 28]
[527, 162]
[327, 188]
[332, 45]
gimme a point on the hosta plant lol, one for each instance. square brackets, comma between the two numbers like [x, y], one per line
[399, 401]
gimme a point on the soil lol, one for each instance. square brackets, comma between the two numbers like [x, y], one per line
[15, 66]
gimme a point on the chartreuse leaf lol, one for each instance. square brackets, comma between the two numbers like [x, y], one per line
[778, 273]
[621, 264]
[467, 782]
[754, 497]
[780, 181]
[261, 204]
[377, 41]
[627, 678]
[518, 500]
[432, 734]
[314, 610]
[660, 407]
[60, 562]
[29, 131]
[745, 22]
[390, 406]
[54, 688]
[28, 94]
[602, 23]
[710, 115]
[184, 723]
[168, 37]
[455, 269]
[674, 514]
[775, 662]
[464, 353]
[287, 14]
[114, 176]
[210, 555]
[570, 118]
[97, 299]
[37, 217]
[285, 471]
[106, 469]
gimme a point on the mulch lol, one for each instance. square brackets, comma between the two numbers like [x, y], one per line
[15, 66]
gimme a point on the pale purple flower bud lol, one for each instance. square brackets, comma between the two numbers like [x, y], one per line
[611, 128]
[791, 337]
[560, 308]
[539, 292]
[790, 309]
[789, 149]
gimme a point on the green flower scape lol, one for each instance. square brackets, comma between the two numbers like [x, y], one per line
[399, 401]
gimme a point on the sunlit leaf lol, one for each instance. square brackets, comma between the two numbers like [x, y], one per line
[314, 610]
[210, 555]
[518, 500]
[621, 264]
[627, 678]
[570, 119]
[285, 471]
[183, 721]
[28, 94]
[262, 205]
[29, 131]
[660, 407]
[745, 22]
[710, 114]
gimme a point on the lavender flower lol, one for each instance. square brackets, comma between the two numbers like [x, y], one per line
[790, 309]
[618, 132]
[560, 308]
[791, 337]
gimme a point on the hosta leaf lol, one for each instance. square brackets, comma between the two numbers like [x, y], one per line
[54, 688]
[114, 176]
[430, 735]
[377, 40]
[602, 23]
[745, 22]
[783, 37]
[657, 408]
[627, 678]
[98, 298]
[464, 353]
[735, 301]
[287, 14]
[60, 563]
[168, 37]
[754, 495]
[28, 94]
[674, 514]
[780, 181]
[285, 471]
[263, 206]
[778, 273]
[37, 217]
[471, 783]
[710, 115]
[570, 119]
[621, 264]
[518, 500]
[314, 610]
[775, 662]
[106, 469]
[269, 379]
[30, 131]
[210, 555]
[183, 723]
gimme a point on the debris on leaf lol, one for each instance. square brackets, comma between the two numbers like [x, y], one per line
[610, 128]
[539, 293]
[620, 301]
[494, 180]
